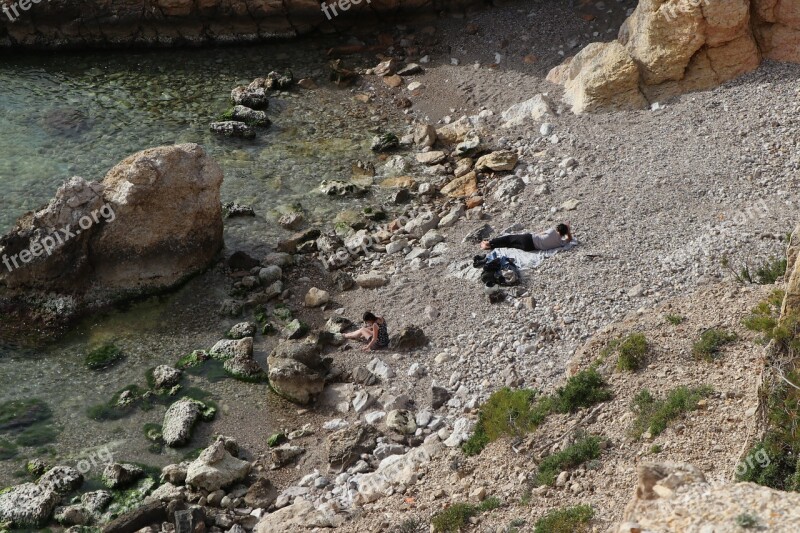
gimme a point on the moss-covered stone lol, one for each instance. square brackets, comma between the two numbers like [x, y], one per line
[8, 450]
[17, 414]
[276, 439]
[127, 500]
[196, 358]
[103, 357]
[153, 432]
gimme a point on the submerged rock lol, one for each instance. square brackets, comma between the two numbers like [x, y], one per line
[252, 97]
[165, 377]
[181, 417]
[251, 117]
[233, 128]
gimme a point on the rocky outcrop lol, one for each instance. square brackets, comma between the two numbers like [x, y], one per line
[670, 47]
[677, 497]
[216, 468]
[160, 23]
[32, 504]
[181, 417]
[153, 221]
[296, 371]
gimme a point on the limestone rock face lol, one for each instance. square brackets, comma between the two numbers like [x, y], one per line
[676, 497]
[671, 47]
[153, 221]
[601, 76]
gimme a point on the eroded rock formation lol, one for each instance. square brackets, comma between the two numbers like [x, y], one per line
[675, 46]
[153, 221]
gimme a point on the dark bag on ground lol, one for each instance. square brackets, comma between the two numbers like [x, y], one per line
[497, 270]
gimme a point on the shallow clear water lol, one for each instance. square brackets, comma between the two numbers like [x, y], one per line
[69, 115]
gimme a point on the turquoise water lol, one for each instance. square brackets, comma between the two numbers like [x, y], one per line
[69, 115]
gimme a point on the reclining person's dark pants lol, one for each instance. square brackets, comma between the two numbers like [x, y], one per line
[522, 241]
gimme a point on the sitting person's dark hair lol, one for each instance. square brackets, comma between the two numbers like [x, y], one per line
[562, 229]
[369, 317]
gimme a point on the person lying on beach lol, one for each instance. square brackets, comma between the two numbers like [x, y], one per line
[553, 238]
[375, 333]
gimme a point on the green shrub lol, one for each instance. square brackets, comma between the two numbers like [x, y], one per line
[455, 517]
[452, 519]
[675, 319]
[710, 343]
[746, 521]
[410, 525]
[570, 520]
[654, 415]
[770, 271]
[632, 352]
[656, 448]
[489, 504]
[103, 357]
[584, 389]
[583, 450]
[507, 412]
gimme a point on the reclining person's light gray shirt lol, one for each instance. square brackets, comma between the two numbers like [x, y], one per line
[548, 240]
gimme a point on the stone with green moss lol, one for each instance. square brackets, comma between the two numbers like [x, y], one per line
[8, 450]
[103, 357]
[129, 499]
[276, 439]
[195, 358]
[16, 414]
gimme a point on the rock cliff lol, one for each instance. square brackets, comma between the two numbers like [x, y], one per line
[675, 46]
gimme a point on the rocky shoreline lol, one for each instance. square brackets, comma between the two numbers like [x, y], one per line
[388, 455]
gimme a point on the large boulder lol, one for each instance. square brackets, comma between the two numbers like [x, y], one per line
[28, 505]
[674, 46]
[296, 370]
[153, 221]
[216, 468]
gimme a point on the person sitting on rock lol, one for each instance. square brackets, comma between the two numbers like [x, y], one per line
[374, 333]
[553, 238]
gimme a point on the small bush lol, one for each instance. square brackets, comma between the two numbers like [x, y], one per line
[570, 520]
[675, 319]
[103, 357]
[632, 352]
[746, 521]
[411, 525]
[489, 504]
[710, 343]
[575, 455]
[452, 519]
[506, 412]
[584, 389]
[656, 448]
[770, 271]
[455, 517]
[654, 415]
